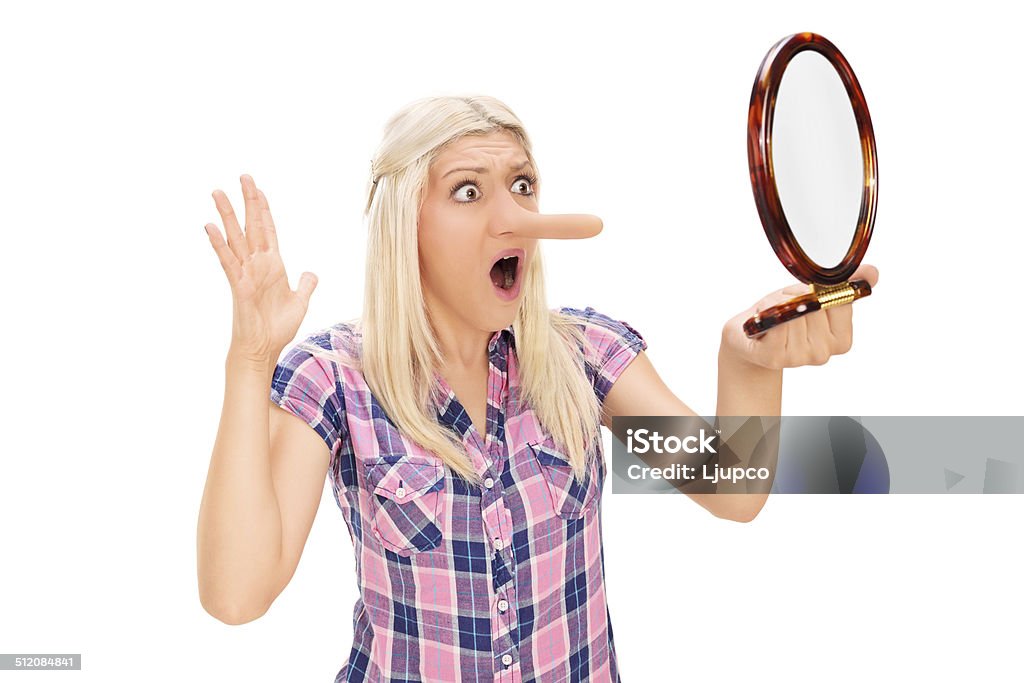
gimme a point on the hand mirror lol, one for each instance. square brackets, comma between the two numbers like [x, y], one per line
[811, 151]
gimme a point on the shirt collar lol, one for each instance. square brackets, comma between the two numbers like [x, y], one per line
[500, 340]
[497, 350]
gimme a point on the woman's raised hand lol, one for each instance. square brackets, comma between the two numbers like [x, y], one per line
[267, 313]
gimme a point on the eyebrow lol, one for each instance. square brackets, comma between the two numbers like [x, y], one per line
[481, 169]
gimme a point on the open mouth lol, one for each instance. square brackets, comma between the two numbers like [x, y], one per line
[505, 271]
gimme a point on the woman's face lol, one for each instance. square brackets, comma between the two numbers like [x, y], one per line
[479, 192]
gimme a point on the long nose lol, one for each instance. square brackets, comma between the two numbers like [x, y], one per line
[565, 226]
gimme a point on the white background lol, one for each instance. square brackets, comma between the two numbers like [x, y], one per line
[119, 120]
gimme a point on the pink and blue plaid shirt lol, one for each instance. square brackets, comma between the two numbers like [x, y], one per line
[457, 582]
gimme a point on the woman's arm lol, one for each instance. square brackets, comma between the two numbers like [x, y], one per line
[742, 390]
[267, 470]
[749, 377]
[263, 488]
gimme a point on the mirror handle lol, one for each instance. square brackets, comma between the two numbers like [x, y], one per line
[819, 298]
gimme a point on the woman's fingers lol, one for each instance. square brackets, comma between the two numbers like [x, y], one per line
[260, 234]
[769, 348]
[307, 283]
[236, 240]
[797, 343]
[228, 261]
[840, 321]
[253, 216]
[866, 272]
[269, 229]
[819, 338]
[796, 290]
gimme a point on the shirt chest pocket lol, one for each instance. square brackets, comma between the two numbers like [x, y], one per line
[571, 498]
[407, 502]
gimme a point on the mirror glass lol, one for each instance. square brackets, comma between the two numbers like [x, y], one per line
[816, 158]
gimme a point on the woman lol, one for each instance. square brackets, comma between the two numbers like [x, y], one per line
[458, 419]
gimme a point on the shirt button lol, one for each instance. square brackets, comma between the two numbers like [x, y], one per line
[502, 605]
[488, 482]
[498, 544]
[400, 492]
[506, 659]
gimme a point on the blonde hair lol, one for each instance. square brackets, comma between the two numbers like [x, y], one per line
[400, 352]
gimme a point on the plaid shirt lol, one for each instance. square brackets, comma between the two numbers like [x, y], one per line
[457, 582]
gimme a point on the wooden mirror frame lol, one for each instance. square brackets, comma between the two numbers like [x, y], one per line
[829, 286]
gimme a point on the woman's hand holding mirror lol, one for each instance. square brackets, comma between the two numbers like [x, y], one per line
[808, 339]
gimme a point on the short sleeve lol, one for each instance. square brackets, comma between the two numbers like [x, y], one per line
[309, 387]
[613, 344]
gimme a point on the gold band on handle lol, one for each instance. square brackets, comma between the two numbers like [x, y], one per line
[833, 295]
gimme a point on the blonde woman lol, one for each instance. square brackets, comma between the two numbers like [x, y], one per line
[458, 420]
